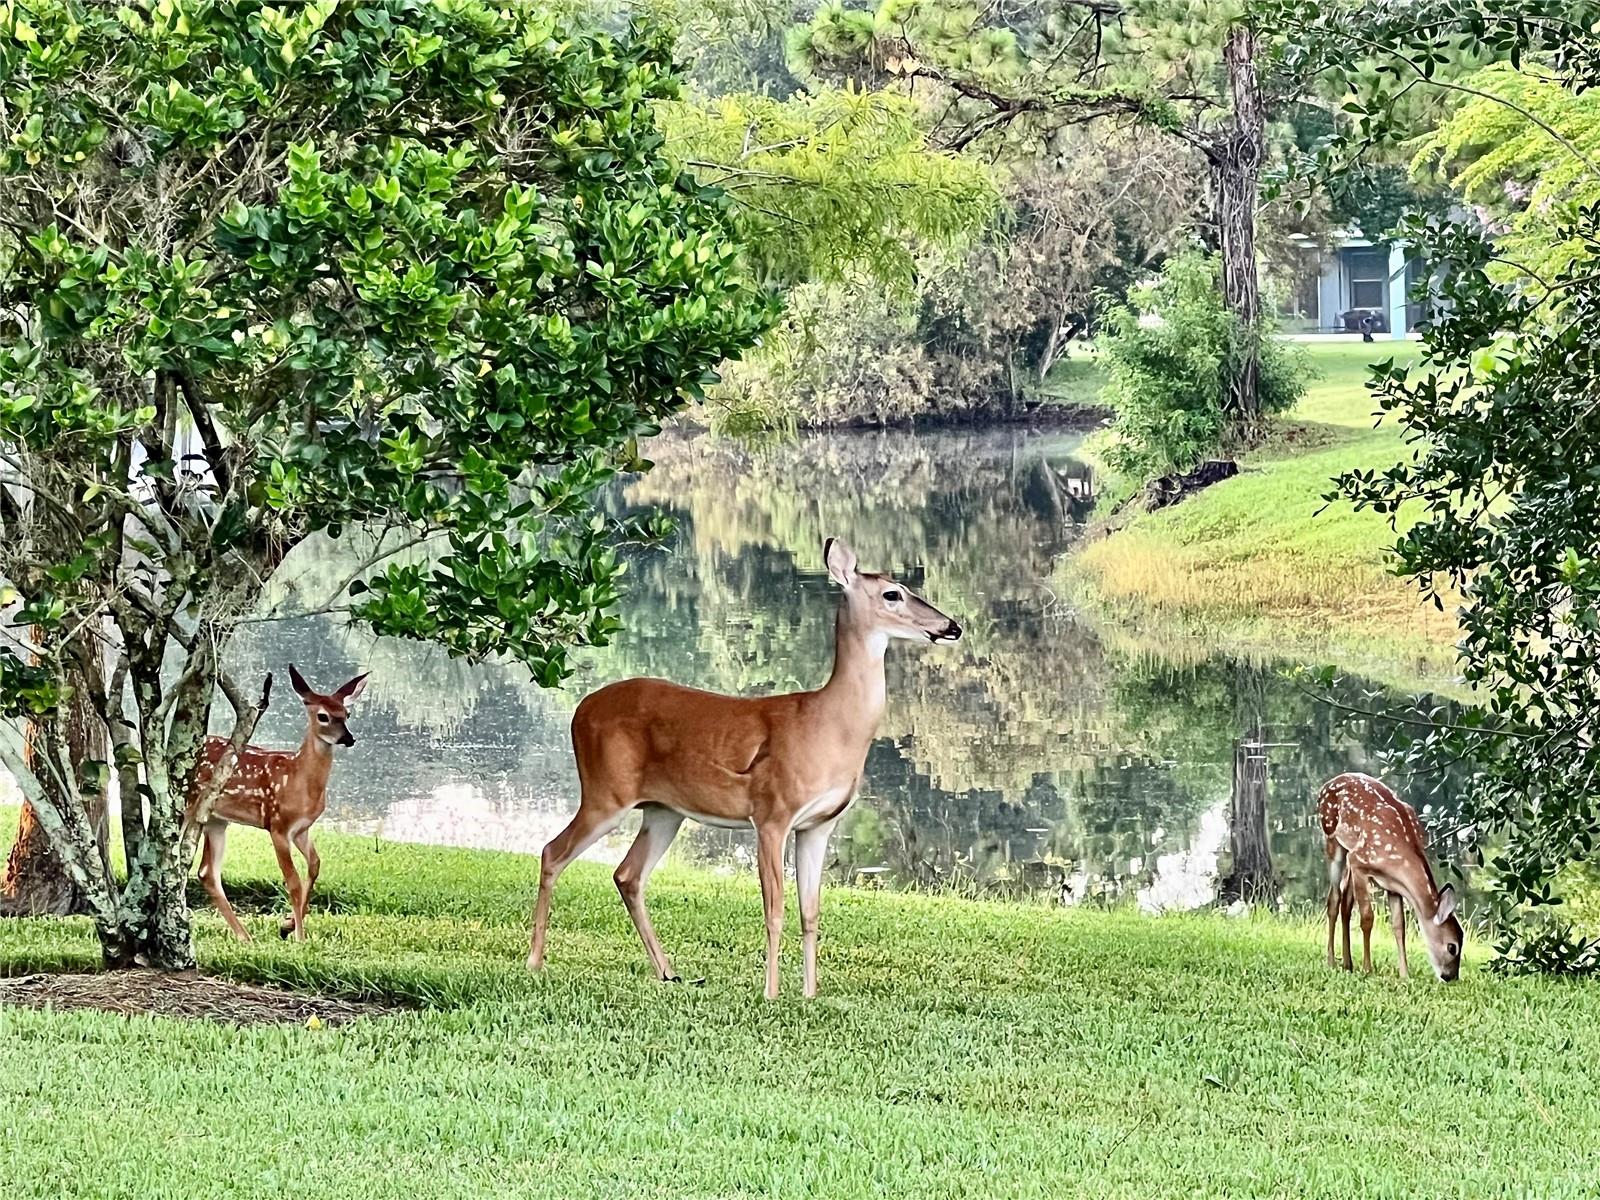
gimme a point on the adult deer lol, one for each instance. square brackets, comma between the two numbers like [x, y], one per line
[281, 791]
[783, 764]
[1374, 835]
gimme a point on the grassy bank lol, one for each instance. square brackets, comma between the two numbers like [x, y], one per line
[1253, 566]
[961, 1049]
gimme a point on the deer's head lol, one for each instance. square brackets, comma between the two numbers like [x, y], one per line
[328, 714]
[1445, 937]
[886, 606]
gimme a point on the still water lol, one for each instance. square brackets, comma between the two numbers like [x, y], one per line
[1038, 755]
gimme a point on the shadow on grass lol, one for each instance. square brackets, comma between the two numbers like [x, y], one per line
[264, 896]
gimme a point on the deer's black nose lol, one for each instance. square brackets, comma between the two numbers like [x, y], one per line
[347, 739]
[950, 633]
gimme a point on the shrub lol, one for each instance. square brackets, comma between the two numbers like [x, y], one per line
[1169, 351]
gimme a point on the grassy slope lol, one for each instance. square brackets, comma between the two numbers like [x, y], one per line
[1252, 565]
[960, 1049]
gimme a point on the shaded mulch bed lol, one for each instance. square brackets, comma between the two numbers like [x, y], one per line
[187, 995]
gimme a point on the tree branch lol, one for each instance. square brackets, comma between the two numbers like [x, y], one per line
[200, 413]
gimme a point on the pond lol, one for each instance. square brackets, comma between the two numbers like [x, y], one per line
[1038, 755]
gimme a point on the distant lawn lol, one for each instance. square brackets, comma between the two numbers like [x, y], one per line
[1078, 378]
[1257, 564]
[960, 1049]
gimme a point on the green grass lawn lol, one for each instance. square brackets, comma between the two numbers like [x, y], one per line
[960, 1049]
[1078, 378]
[1257, 563]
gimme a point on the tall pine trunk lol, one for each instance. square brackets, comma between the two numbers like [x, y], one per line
[1235, 158]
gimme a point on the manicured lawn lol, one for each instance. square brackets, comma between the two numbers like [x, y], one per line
[1259, 564]
[960, 1049]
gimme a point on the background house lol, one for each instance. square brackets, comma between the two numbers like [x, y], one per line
[1338, 283]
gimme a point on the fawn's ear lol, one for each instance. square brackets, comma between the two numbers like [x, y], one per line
[352, 689]
[841, 561]
[1447, 904]
[298, 682]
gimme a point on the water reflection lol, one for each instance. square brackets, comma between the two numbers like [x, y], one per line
[1031, 758]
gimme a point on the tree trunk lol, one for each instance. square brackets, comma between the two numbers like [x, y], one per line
[1251, 876]
[35, 882]
[1235, 159]
[1052, 347]
[154, 927]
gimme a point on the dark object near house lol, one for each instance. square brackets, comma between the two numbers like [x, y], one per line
[1365, 321]
[1171, 489]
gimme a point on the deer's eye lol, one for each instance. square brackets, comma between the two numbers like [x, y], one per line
[322, 718]
[1453, 949]
[891, 596]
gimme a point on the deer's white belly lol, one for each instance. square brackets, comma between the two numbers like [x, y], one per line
[704, 819]
[822, 807]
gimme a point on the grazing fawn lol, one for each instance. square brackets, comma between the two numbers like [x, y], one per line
[1374, 835]
[783, 764]
[281, 791]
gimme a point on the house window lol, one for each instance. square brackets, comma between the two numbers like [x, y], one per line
[1369, 275]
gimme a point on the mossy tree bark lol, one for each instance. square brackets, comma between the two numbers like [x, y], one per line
[36, 882]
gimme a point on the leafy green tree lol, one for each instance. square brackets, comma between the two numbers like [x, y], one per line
[1169, 352]
[839, 193]
[421, 270]
[834, 186]
[1000, 317]
[1506, 476]
[1524, 150]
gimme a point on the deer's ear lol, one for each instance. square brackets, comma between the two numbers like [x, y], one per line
[298, 682]
[841, 561]
[353, 689]
[1447, 904]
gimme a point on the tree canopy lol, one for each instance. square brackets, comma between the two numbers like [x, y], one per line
[425, 270]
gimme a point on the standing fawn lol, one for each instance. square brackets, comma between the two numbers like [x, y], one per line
[782, 764]
[1374, 835]
[281, 791]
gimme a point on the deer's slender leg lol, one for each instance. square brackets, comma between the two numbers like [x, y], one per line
[302, 839]
[216, 843]
[1364, 902]
[769, 864]
[1397, 923]
[656, 831]
[1335, 889]
[588, 825]
[292, 880]
[810, 853]
[1333, 919]
[1346, 903]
